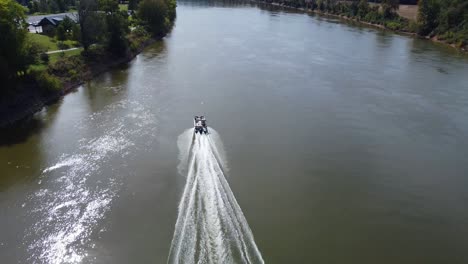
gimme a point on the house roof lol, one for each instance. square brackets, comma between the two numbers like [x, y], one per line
[55, 20]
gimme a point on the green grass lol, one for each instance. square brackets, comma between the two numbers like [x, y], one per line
[123, 7]
[48, 42]
[37, 67]
[43, 40]
[55, 56]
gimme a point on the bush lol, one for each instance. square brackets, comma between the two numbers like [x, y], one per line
[413, 27]
[64, 65]
[44, 57]
[32, 51]
[393, 25]
[48, 82]
[138, 36]
[95, 52]
[61, 45]
[373, 17]
[140, 32]
[73, 75]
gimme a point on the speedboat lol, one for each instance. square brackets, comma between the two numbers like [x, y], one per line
[199, 122]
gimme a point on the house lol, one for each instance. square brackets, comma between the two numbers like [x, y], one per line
[49, 23]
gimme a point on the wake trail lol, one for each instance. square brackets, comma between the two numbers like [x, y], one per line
[210, 226]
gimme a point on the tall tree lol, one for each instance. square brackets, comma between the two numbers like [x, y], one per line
[363, 8]
[43, 6]
[428, 16]
[91, 24]
[153, 15]
[117, 27]
[389, 7]
[13, 30]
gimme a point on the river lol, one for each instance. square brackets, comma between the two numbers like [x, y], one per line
[343, 143]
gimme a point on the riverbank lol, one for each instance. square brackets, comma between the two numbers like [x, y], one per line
[407, 28]
[30, 98]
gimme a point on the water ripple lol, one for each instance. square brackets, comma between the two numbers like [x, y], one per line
[76, 196]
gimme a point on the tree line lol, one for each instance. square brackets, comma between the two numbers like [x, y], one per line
[444, 19]
[48, 6]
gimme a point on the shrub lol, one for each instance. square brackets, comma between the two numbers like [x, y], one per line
[73, 75]
[48, 82]
[95, 52]
[413, 26]
[61, 45]
[138, 36]
[32, 51]
[64, 65]
[140, 32]
[44, 57]
[373, 17]
[393, 25]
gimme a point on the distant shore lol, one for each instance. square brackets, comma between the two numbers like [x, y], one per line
[413, 34]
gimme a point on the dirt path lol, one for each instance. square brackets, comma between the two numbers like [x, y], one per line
[57, 51]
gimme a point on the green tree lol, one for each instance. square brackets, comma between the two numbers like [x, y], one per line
[171, 9]
[67, 23]
[389, 7]
[61, 32]
[91, 23]
[363, 8]
[13, 30]
[35, 7]
[76, 32]
[132, 5]
[43, 6]
[61, 5]
[53, 7]
[153, 15]
[117, 27]
[428, 16]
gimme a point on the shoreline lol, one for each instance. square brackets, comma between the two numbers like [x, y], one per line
[30, 100]
[434, 39]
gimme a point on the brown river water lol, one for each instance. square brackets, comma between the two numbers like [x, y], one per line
[331, 143]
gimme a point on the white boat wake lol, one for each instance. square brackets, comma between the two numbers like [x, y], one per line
[210, 227]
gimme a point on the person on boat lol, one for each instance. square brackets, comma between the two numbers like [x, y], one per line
[203, 121]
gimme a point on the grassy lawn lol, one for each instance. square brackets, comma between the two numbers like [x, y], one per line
[48, 42]
[55, 56]
[123, 7]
